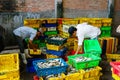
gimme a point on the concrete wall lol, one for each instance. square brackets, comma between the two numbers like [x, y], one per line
[13, 13]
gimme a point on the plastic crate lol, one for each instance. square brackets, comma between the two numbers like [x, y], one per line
[34, 41]
[94, 78]
[92, 47]
[115, 77]
[61, 77]
[111, 57]
[51, 70]
[57, 53]
[55, 41]
[11, 75]
[32, 52]
[48, 33]
[84, 64]
[50, 25]
[115, 67]
[30, 68]
[105, 31]
[54, 47]
[74, 76]
[106, 20]
[9, 62]
[93, 72]
[48, 56]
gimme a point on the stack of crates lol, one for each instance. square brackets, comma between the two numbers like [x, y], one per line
[66, 24]
[92, 47]
[115, 68]
[97, 22]
[106, 27]
[106, 21]
[105, 31]
[9, 66]
[51, 26]
[55, 45]
[108, 44]
[82, 20]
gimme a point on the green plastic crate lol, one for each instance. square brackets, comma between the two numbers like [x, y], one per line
[84, 64]
[34, 41]
[105, 31]
[51, 33]
[38, 42]
[92, 47]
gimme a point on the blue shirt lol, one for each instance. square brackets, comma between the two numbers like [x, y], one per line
[25, 32]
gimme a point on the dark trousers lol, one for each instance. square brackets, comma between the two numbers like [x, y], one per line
[21, 43]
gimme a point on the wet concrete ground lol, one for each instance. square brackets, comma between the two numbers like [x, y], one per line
[24, 75]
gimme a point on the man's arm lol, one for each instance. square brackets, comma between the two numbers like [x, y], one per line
[79, 48]
[32, 45]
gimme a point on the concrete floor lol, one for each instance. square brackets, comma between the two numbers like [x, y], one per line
[24, 75]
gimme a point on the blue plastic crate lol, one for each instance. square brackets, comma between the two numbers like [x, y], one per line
[51, 25]
[57, 53]
[51, 70]
[29, 67]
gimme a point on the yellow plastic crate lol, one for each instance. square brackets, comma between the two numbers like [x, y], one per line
[51, 20]
[9, 62]
[95, 20]
[34, 23]
[82, 20]
[54, 47]
[111, 57]
[94, 78]
[12, 75]
[32, 52]
[69, 22]
[106, 20]
[115, 77]
[51, 56]
[74, 76]
[40, 78]
[94, 72]
[61, 77]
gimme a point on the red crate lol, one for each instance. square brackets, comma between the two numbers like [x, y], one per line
[116, 67]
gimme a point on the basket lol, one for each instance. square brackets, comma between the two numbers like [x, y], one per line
[48, 56]
[30, 68]
[11, 75]
[54, 41]
[48, 33]
[57, 53]
[54, 47]
[9, 62]
[115, 67]
[32, 52]
[84, 64]
[51, 70]
[93, 47]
